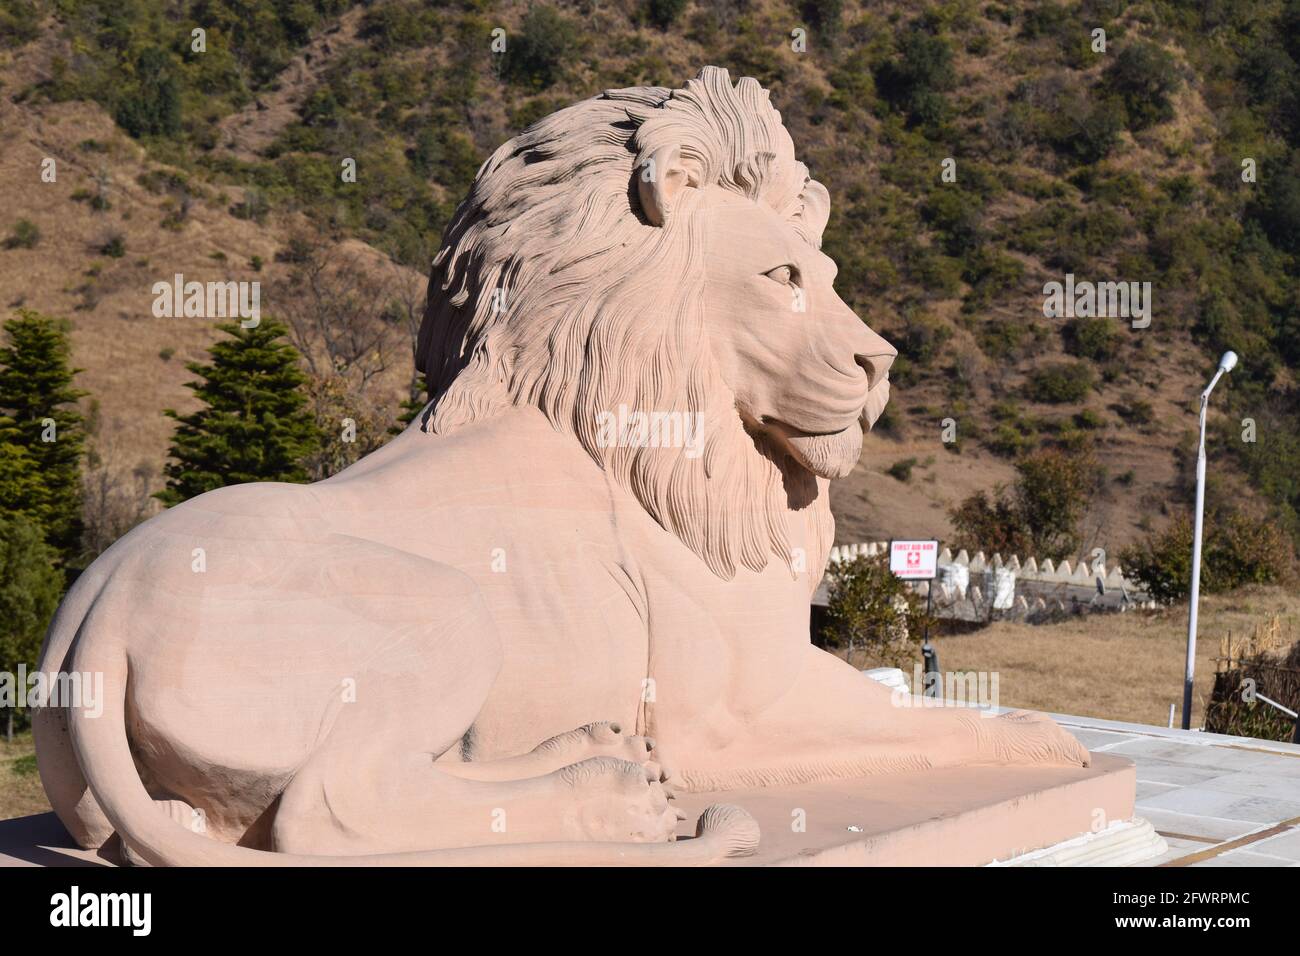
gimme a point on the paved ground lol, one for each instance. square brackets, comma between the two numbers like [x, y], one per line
[1217, 800]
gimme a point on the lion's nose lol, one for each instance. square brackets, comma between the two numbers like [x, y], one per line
[876, 365]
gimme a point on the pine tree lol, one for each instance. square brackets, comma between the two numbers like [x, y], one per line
[37, 395]
[253, 425]
[30, 586]
[20, 482]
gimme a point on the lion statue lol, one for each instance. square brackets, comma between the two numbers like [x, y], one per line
[610, 516]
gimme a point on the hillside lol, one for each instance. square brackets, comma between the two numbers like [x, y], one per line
[1115, 165]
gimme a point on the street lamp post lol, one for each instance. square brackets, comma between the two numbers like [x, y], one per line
[1226, 364]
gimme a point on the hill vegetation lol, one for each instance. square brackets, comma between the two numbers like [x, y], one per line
[974, 152]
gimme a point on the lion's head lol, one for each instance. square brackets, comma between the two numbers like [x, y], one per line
[657, 251]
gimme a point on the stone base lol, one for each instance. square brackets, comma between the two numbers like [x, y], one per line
[968, 817]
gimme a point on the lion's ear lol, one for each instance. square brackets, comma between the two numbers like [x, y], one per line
[660, 177]
[814, 212]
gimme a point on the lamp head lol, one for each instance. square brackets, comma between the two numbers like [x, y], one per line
[1228, 362]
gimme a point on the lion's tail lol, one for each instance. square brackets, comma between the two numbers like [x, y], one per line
[104, 754]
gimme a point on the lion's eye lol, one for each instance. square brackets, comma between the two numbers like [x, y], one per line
[786, 275]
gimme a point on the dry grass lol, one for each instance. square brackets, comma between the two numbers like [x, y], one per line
[1120, 667]
[20, 786]
[132, 363]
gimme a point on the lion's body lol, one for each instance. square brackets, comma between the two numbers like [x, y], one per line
[583, 613]
[291, 660]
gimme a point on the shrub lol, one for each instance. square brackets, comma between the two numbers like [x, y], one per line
[1144, 76]
[20, 21]
[1278, 209]
[871, 608]
[1095, 339]
[114, 247]
[662, 13]
[1009, 440]
[1243, 549]
[1040, 514]
[1236, 549]
[536, 57]
[1084, 127]
[152, 103]
[254, 206]
[1135, 411]
[1059, 383]
[24, 236]
[924, 336]
[823, 15]
[956, 215]
[396, 26]
[914, 82]
[1052, 491]
[1000, 338]
[1089, 420]
[991, 274]
[902, 470]
[989, 522]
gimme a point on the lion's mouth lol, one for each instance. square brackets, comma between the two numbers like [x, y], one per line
[832, 455]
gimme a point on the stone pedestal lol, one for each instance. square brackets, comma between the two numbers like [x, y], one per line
[966, 817]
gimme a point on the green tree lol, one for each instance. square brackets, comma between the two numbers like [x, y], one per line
[20, 483]
[663, 13]
[30, 586]
[254, 424]
[1096, 339]
[990, 523]
[37, 394]
[1052, 487]
[1145, 77]
[1060, 383]
[916, 80]
[871, 609]
[151, 105]
[546, 40]
[1237, 549]
[1040, 515]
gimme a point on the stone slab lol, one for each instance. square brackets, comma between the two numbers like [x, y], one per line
[962, 817]
[966, 817]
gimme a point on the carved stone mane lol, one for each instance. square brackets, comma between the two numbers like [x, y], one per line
[549, 291]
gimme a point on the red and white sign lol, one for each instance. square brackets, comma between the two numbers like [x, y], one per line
[914, 560]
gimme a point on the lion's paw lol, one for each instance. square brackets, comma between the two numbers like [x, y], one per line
[601, 739]
[618, 801]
